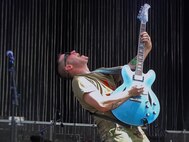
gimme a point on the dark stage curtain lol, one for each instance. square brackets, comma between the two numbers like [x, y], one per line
[105, 30]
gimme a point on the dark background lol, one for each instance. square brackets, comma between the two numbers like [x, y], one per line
[105, 30]
[186, 63]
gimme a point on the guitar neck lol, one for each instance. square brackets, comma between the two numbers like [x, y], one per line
[140, 54]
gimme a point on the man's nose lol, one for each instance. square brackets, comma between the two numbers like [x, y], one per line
[72, 52]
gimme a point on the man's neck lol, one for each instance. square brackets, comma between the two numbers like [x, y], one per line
[82, 70]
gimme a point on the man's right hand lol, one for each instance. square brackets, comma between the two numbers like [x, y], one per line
[135, 91]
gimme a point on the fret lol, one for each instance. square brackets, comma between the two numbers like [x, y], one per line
[142, 27]
[140, 54]
[143, 16]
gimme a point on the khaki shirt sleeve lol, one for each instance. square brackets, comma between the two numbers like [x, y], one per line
[80, 86]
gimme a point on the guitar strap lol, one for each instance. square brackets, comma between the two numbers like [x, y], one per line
[113, 70]
[110, 119]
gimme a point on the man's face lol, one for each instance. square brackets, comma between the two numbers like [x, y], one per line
[73, 58]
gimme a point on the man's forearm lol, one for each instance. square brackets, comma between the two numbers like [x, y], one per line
[132, 63]
[112, 102]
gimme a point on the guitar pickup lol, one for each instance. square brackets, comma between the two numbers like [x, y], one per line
[138, 78]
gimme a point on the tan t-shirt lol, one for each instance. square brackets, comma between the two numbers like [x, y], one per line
[105, 84]
[92, 82]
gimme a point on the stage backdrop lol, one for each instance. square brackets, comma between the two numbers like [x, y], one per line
[105, 30]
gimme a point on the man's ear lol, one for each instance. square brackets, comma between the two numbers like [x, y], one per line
[68, 67]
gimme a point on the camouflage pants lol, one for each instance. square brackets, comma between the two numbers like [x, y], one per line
[126, 134]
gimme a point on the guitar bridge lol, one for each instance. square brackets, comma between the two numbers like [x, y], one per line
[138, 98]
[135, 100]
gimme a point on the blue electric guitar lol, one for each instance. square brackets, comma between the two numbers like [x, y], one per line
[145, 108]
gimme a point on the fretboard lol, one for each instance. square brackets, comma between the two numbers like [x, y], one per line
[140, 54]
